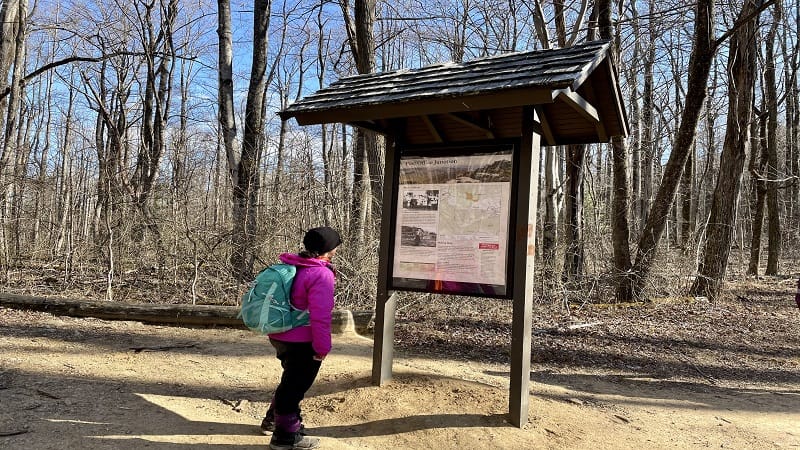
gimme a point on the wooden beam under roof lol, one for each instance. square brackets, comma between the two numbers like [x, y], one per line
[602, 135]
[470, 123]
[537, 127]
[370, 125]
[546, 131]
[578, 103]
[437, 136]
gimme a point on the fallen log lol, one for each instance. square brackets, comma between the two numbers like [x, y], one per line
[150, 312]
[189, 315]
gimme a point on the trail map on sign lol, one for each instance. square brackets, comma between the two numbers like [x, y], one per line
[472, 210]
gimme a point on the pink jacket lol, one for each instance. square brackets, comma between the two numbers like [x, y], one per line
[312, 289]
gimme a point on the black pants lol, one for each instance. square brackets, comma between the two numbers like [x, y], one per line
[299, 372]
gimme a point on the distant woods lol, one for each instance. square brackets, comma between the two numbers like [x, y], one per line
[140, 140]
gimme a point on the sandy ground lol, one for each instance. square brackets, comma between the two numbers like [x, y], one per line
[68, 383]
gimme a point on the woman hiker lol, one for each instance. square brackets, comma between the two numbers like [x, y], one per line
[301, 350]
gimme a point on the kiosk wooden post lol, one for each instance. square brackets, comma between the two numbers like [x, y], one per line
[385, 300]
[524, 252]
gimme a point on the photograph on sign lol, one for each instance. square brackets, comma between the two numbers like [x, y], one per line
[452, 220]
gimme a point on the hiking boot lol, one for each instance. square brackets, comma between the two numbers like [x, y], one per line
[268, 427]
[294, 441]
[268, 424]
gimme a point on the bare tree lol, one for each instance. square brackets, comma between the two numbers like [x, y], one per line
[771, 92]
[574, 180]
[107, 90]
[707, 178]
[13, 151]
[634, 143]
[620, 231]
[227, 117]
[159, 63]
[283, 87]
[13, 54]
[575, 160]
[573, 214]
[756, 167]
[687, 200]
[741, 85]
[65, 199]
[552, 192]
[647, 156]
[245, 190]
[792, 120]
[367, 155]
[9, 26]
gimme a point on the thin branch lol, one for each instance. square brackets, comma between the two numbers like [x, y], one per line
[759, 177]
[73, 59]
[741, 22]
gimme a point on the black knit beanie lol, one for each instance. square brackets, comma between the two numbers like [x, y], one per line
[321, 240]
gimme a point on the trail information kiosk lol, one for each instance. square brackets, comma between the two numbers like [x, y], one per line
[462, 162]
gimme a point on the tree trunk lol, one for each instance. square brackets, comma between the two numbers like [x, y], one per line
[741, 84]
[793, 144]
[552, 190]
[13, 53]
[639, 122]
[156, 107]
[576, 156]
[367, 155]
[42, 213]
[245, 191]
[279, 163]
[63, 204]
[361, 204]
[686, 200]
[645, 195]
[620, 231]
[773, 193]
[227, 117]
[180, 169]
[19, 188]
[328, 140]
[705, 191]
[9, 11]
[758, 162]
[9, 151]
[792, 122]
[280, 153]
[638, 148]
[573, 214]
[364, 12]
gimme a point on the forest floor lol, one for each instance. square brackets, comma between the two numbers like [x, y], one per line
[675, 373]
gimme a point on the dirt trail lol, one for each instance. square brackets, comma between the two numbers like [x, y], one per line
[69, 383]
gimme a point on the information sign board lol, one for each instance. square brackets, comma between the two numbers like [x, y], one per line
[451, 223]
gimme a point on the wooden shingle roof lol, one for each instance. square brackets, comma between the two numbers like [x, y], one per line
[574, 90]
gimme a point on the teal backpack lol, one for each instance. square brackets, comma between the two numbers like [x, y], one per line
[266, 306]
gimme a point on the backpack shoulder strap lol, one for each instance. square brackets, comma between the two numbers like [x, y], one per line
[286, 273]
